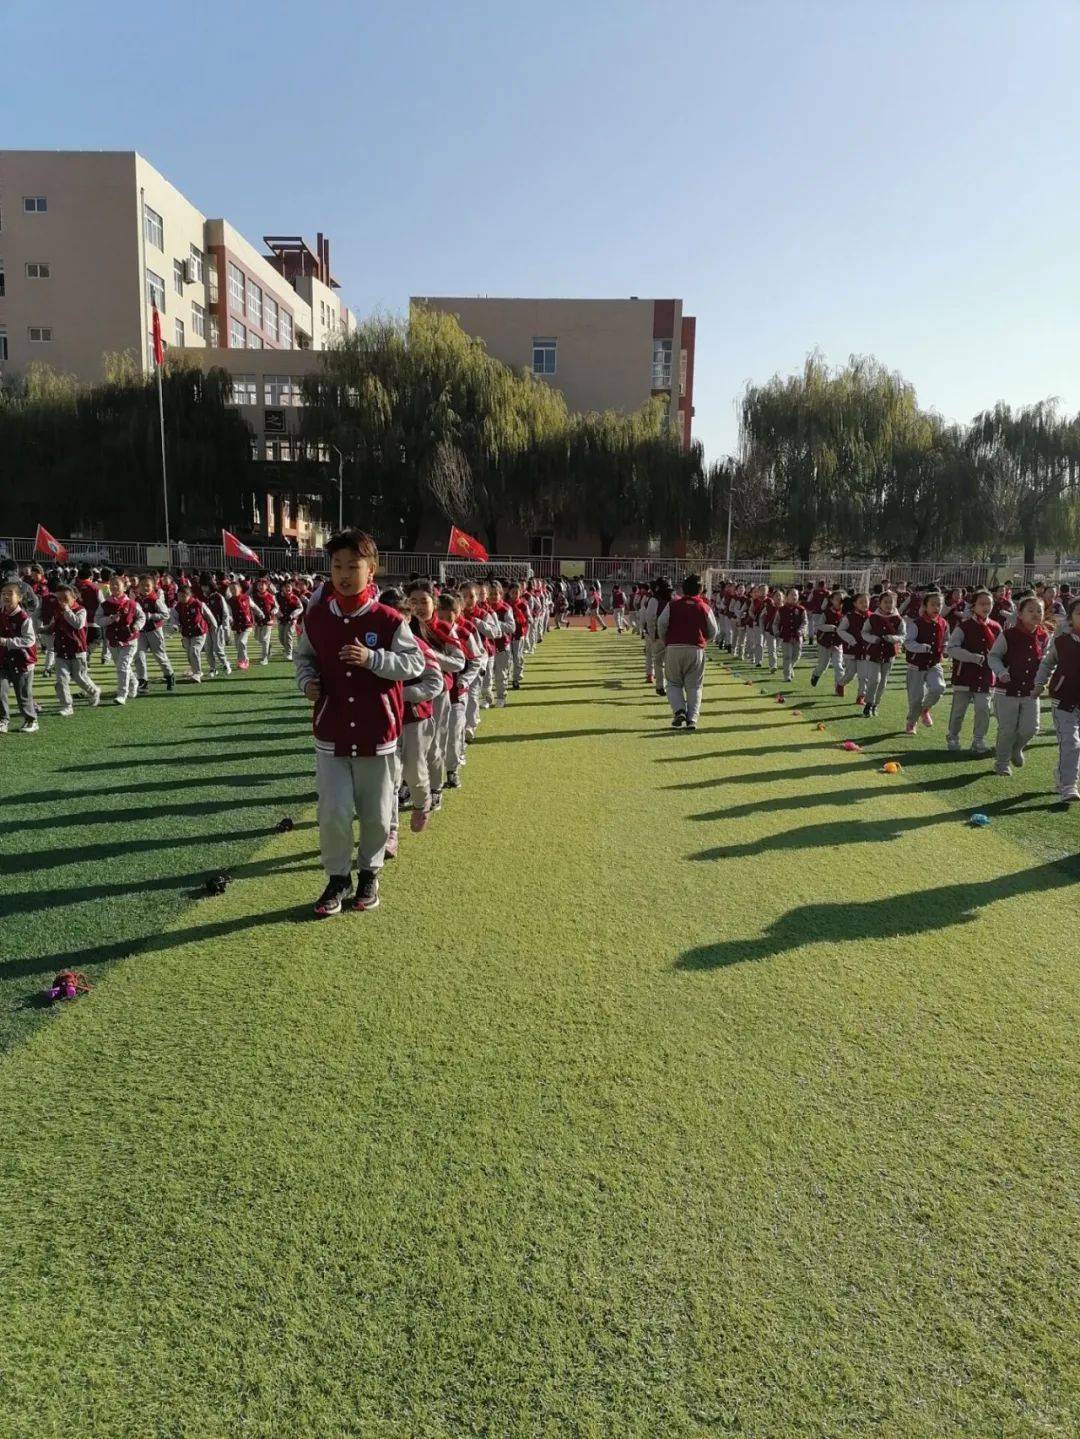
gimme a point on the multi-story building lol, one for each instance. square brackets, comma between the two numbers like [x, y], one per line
[90, 241]
[602, 354]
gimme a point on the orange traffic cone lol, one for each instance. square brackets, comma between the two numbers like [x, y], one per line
[593, 626]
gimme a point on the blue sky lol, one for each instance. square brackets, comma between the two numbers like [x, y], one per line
[889, 178]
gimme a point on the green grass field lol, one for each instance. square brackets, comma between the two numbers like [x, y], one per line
[681, 1086]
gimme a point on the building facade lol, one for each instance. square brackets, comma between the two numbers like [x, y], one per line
[601, 354]
[90, 241]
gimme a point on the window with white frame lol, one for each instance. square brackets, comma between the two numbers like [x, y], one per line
[254, 303]
[153, 228]
[35, 270]
[254, 341]
[155, 290]
[286, 330]
[270, 317]
[213, 336]
[237, 335]
[545, 350]
[34, 204]
[236, 288]
[244, 390]
[3, 344]
[39, 334]
[3, 290]
[197, 259]
[179, 334]
[282, 391]
[178, 276]
[661, 364]
[198, 320]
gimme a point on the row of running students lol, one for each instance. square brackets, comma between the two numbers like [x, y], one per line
[1006, 652]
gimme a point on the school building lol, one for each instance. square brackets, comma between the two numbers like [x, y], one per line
[602, 354]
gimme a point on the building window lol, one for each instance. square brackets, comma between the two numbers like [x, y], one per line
[682, 374]
[155, 290]
[197, 264]
[254, 341]
[198, 321]
[270, 318]
[34, 204]
[236, 288]
[39, 334]
[237, 336]
[286, 330]
[179, 334]
[243, 390]
[178, 276]
[214, 336]
[3, 290]
[3, 344]
[282, 390]
[661, 364]
[254, 303]
[35, 270]
[153, 228]
[544, 353]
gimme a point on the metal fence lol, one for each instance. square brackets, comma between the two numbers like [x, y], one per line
[627, 569]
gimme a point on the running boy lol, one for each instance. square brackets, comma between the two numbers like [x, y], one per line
[18, 656]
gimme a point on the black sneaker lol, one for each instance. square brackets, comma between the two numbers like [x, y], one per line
[691, 726]
[868, 711]
[170, 681]
[144, 685]
[679, 719]
[367, 891]
[813, 681]
[333, 896]
[436, 799]
[453, 779]
[516, 685]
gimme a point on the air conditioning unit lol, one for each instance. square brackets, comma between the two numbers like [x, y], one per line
[189, 272]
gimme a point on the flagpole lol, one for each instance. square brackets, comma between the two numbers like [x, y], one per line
[164, 475]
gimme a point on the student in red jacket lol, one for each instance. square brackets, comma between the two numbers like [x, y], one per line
[352, 662]
[830, 646]
[883, 635]
[18, 656]
[121, 618]
[1015, 658]
[450, 657]
[924, 640]
[522, 620]
[69, 639]
[685, 626]
[789, 627]
[1060, 668]
[152, 635]
[507, 629]
[856, 650]
[971, 639]
[465, 681]
[290, 613]
[244, 613]
[195, 620]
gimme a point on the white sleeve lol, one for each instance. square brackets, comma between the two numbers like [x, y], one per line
[404, 660]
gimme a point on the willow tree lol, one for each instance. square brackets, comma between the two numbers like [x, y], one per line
[1028, 464]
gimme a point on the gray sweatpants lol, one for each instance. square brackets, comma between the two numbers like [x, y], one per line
[440, 739]
[151, 642]
[791, 650]
[770, 649]
[859, 669]
[1067, 724]
[354, 789]
[455, 755]
[242, 646]
[416, 762]
[193, 648]
[924, 689]
[501, 671]
[263, 634]
[830, 655]
[978, 700]
[472, 700]
[127, 683]
[877, 680]
[219, 650]
[22, 682]
[684, 670]
[1017, 720]
[656, 664]
[286, 632]
[77, 670]
[517, 658]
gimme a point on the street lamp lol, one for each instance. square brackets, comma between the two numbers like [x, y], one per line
[340, 488]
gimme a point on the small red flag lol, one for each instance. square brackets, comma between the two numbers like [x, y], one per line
[234, 550]
[44, 544]
[464, 546]
[159, 348]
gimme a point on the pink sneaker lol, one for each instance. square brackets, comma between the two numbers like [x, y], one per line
[927, 718]
[909, 729]
[243, 664]
[391, 845]
[419, 820]
[860, 699]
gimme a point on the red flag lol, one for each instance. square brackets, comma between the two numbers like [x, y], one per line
[234, 550]
[44, 544]
[464, 546]
[159, 349]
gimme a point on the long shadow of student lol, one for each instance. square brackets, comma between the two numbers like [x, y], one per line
[835, 765]
[867, 831]
[830, 799]
[911, 915]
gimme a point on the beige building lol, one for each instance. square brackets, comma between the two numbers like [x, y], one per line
[602, 354]
[90, 241]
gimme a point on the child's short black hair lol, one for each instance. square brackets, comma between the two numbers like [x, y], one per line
[359, 541]
[423, 586]
[392, 597]
[691, 585]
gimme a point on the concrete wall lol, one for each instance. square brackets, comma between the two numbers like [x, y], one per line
[89, 236]
[604, 356]
[183, 226]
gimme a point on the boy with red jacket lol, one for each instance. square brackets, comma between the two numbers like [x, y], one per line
[504, 617]
[789, 627]
[152, 636]
[121, 618]
[618, 605]
[924, 641]
[520, 611]
[194, 620]
[243, 614]
[18, 656]
[883, 635]
[266, 600]
[352, 661]
[685, 626]
[69, 640]
[970, 641]
[830, 645]
[1060, 666]
[290, 613]
[1016, 658]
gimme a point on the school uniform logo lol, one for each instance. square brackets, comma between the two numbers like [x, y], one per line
[371, 639]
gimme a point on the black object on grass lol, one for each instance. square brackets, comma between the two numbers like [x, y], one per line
[285, 825]
[216, 883]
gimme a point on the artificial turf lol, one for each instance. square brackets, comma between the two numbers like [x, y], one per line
[682, 1085]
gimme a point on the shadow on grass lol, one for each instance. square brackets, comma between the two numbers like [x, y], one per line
[184, 761]
[517, 738]
[178, 782]
[828, 798]
[159, 811]
[32, 861]
[912, 915]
